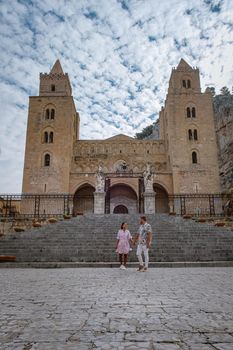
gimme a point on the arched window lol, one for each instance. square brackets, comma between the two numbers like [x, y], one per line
[190, 133]
[47, 159]
[186, 83]
[195, 134]
[51, 137]
[188, 112]
[193, 112]
[52, 113]
[194, 157]
[52, 87]
[46, 137]
[47, 114]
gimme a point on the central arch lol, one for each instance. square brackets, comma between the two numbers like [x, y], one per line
[122, 197]
[84, 199]
[120, 209]
[161, 199]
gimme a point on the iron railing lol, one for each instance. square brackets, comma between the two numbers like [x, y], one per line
[200, 204]
[17, 206]
[23, 206]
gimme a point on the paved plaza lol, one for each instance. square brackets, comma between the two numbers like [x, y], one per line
[163, 309]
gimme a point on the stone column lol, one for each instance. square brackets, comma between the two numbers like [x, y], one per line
[149, 202]
[99, 202]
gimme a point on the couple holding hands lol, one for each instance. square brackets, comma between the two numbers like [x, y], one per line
[143, 239]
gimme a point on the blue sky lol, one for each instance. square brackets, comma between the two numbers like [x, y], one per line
[119, 55]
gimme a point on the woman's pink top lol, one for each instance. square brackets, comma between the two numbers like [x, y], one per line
[123, 244]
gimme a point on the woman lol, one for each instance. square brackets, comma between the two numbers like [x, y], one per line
[123, 247]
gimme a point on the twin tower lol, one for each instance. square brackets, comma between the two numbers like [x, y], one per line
[183, 160]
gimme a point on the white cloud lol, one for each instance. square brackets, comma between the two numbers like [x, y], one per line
[119, 61]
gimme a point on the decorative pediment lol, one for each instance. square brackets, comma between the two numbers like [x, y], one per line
[120, 137]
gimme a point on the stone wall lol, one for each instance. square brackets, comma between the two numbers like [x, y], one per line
[88, 154]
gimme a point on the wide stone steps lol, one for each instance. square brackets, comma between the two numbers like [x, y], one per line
[93, 239]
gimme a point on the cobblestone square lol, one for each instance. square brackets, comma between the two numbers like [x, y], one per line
[163, 309]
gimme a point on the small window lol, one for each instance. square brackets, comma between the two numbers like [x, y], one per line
[47, 160]
[190, 133]
[52, 87]
[47, 114]
[195, 135]
[189, 84]
[52, 114]
[188, 112]
[194, 157]
[120, 150]
[193, 112]
[148, 151]
[46, 137]
[184, 83]
[51, 137]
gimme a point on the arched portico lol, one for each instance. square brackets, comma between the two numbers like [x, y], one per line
[120, 209]
[161, 199]
[121, 198]
[84, 199]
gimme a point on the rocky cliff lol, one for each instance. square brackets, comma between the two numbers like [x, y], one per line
[223, 108]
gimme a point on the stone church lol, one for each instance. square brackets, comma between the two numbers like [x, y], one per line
[122, 174]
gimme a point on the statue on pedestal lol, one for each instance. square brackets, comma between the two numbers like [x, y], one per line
[100, 180]
[148, 179]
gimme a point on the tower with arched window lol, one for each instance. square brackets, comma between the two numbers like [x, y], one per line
[53, 127]
[189, 132]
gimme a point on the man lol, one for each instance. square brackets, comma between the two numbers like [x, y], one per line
[144, 239]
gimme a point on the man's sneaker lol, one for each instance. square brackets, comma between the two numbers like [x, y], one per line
[145, 269]
[122, 267]
[140, 268]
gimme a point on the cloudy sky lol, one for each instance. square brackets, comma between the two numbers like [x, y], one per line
[119, 55]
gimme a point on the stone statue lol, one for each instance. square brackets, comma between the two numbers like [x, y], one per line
[100, 181]
[148, 179]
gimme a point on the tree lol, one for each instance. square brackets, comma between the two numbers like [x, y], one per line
[212, 90]
[225, 91]
[147, 131]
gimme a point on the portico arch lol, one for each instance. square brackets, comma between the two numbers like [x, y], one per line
[120, 209]
[84, 199]
[161, 199]
[122, 196]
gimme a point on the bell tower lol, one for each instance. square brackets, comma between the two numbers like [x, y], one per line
[52, 129]
[189, 133]
[56, 83]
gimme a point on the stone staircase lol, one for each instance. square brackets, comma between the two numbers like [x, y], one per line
[92, 238]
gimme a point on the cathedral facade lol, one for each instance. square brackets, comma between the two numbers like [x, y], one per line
[122, 174]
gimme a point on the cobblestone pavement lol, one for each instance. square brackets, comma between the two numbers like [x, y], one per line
[81, 309]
